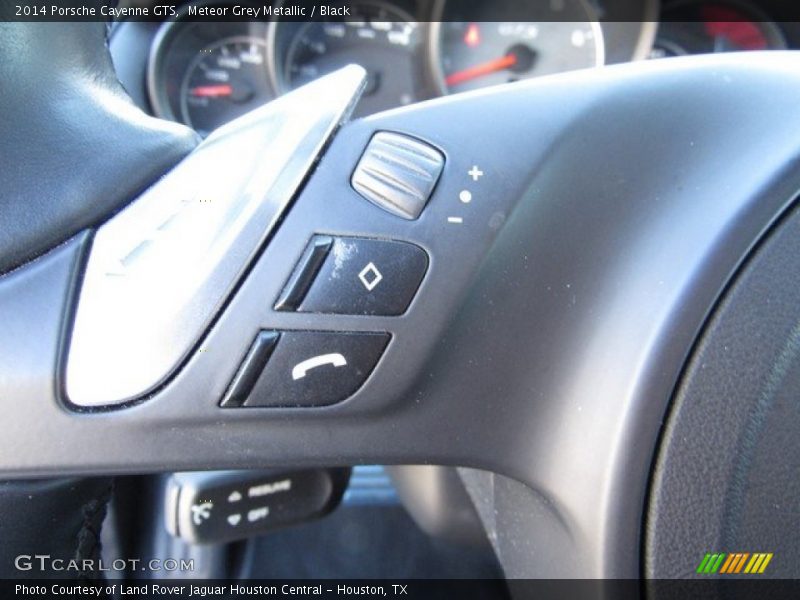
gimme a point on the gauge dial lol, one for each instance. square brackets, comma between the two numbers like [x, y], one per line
[381, 38]
[224, 81]
[478, 54]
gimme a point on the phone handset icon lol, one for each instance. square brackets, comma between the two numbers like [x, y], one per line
[300, 370]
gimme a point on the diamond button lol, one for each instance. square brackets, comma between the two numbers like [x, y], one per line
[370, 276]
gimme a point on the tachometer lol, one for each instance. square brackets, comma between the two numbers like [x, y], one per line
[475, 54]
[225, 80]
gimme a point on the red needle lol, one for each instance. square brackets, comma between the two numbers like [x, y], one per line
[490, 66]
[212, 91]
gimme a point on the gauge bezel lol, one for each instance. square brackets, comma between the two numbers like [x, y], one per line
[435, 52]
[160, 48]
[157, 94]
[648, 30]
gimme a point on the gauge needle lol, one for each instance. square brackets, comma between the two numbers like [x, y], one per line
[479, 70]
[212, 91]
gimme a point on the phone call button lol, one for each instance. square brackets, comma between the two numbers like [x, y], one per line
[308, 368]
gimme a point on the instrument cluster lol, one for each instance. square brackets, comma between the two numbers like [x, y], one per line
[205, 74]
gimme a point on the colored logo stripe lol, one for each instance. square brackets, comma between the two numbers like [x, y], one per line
[734, 562]
[710, 563]
[758, 563]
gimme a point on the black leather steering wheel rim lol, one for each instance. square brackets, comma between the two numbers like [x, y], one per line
[75, 148]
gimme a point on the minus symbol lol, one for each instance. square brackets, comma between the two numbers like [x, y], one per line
[455, 220]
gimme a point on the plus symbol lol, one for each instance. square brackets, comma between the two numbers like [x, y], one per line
[475, 173]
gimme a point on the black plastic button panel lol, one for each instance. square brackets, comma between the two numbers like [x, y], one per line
[355, 276]
[304, 368]
[398, 173]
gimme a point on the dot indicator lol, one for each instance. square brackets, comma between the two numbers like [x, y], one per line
[465, 196]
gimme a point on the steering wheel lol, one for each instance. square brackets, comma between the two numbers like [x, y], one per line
[582, 288]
